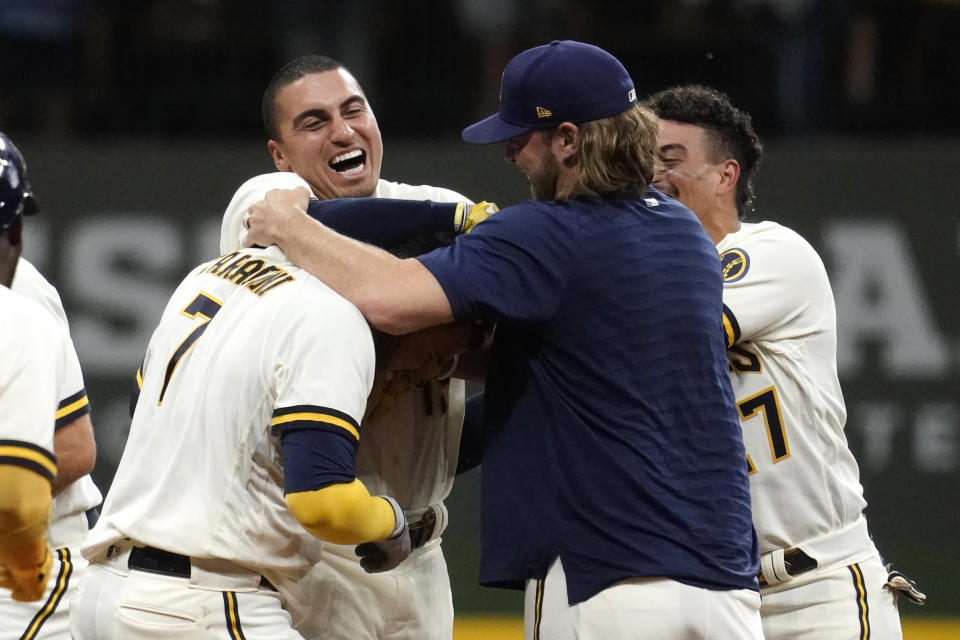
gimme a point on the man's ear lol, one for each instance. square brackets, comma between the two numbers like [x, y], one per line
[729, 175]
[277, 154]
[566, 141]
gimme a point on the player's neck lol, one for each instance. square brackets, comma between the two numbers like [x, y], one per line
[721, 222]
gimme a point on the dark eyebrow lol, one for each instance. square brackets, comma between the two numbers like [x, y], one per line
[322, 113]
[352, 100]
[672, 147]
[310, 113]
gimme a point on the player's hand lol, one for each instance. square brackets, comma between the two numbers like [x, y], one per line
[383, 555]
[474, 215]
[276, 217]
[901, 585]
[28, 579]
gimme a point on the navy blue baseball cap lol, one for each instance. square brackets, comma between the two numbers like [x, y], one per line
[564, 81]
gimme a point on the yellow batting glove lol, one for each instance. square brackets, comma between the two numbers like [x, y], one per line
[27, 579]
[468, 217]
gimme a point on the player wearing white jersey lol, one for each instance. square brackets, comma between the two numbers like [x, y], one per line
[408, 451]
[320, 126]
[821, 576]
[74, 494]
[31, 344]
[240, 459]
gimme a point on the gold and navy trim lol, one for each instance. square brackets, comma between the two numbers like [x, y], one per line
[538, 610]
[232, 614]
[72, 408]
[731, 328]
[307, 416]
[29, 456]
[863, 612]
[56, 595]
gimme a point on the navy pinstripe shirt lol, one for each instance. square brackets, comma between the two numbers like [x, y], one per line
[610, 434]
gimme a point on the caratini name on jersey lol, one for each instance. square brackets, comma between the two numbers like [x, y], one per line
[256, 274]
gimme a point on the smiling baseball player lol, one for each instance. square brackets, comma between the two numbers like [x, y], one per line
[820, 573]
[321, 127]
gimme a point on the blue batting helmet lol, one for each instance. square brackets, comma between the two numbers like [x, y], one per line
[16, 197]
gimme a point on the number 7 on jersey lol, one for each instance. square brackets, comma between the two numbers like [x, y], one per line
[204, 306]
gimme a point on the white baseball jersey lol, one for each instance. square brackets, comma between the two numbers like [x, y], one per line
[68, 515]
[34, 349]
[781, 316]
[247, 341]
[781, 319]
[410, 453]
[36, 352]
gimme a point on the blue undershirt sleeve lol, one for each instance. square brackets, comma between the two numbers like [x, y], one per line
[316, 458]
[387, 222]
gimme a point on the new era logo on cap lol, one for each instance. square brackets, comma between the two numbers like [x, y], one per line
[579, 81]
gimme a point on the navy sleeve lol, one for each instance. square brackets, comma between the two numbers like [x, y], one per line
[471, 436]
[513, 267]
[387, 222]
[316, 458]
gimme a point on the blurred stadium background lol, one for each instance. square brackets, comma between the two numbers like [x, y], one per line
[140, 119]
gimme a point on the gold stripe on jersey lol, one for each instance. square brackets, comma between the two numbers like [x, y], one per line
[538, 610]
[305, 414]
[731, 328]
[29, 456]
[140, 378]
[232, 613]
[256, 274]
[72, 408]
[316, 417]
[56, 595]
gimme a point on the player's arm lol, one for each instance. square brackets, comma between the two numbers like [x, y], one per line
[388, 222]
[73, 442]
[320, 485]
[328, 361]
[76, 451]
[383, 222]
[331, 503]
[25, 558]
[777, 290]
[396, 296]
[28, 402]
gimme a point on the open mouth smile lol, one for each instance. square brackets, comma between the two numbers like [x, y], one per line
[350, 163]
